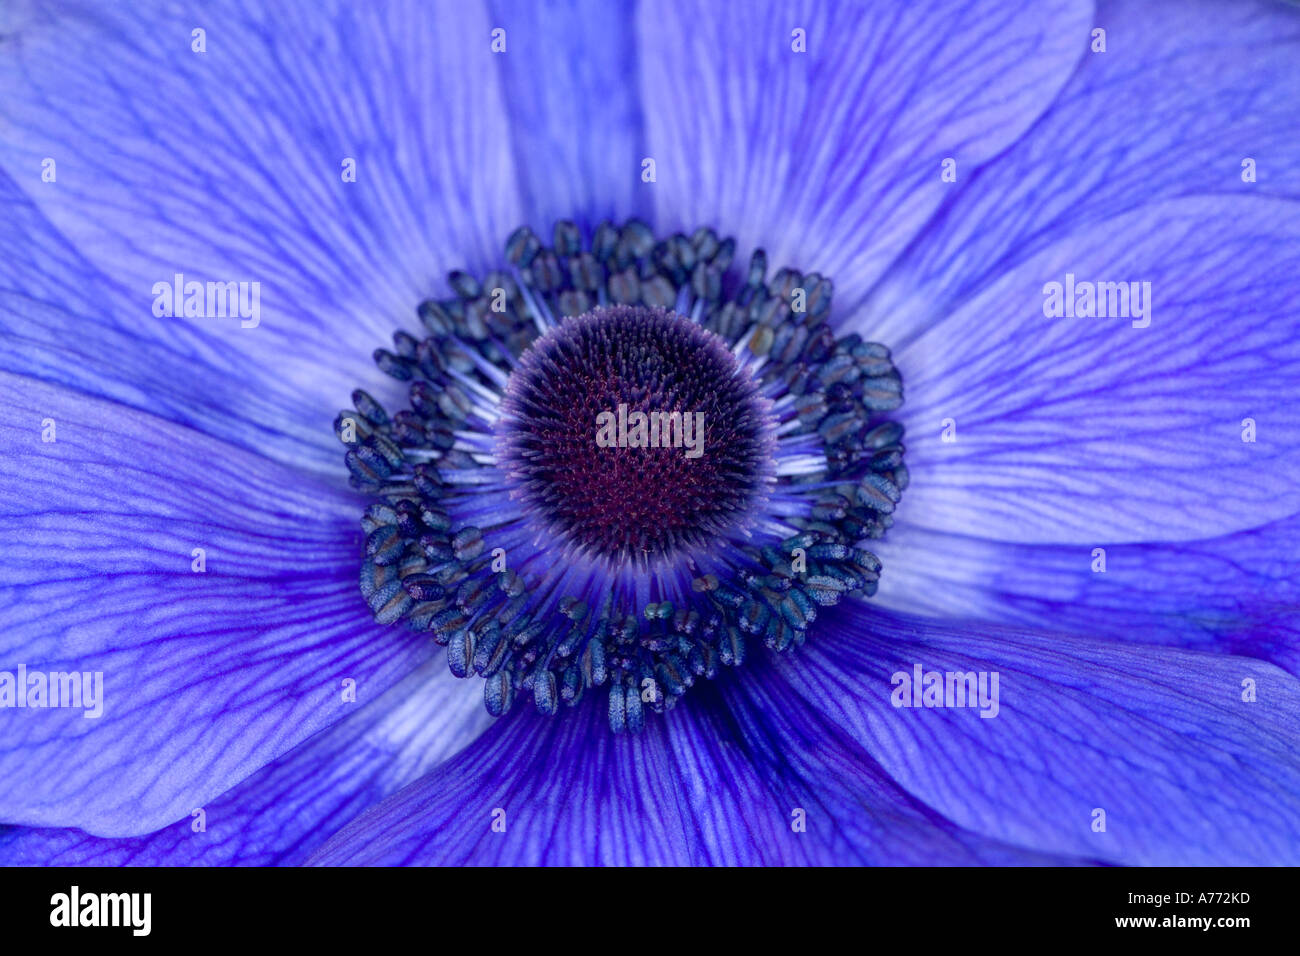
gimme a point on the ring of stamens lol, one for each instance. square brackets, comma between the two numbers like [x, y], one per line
[466, 542]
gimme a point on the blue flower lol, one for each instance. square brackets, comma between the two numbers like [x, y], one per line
[1102, 510]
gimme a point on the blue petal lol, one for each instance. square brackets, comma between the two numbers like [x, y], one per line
[1162, 740]
[206, 676]
[569, 81]
[284, 811]
[755, 777]
[1091, 431]
[227, 165]
[854, 811]
[831, 158]
[56, 313]
[1239, 594]
[1184, 93]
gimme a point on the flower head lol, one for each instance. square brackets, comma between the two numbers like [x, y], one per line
[1069, 229]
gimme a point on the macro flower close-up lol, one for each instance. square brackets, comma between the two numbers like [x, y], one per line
[674, 432]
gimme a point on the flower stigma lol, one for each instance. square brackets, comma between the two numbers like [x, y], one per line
[690, 470]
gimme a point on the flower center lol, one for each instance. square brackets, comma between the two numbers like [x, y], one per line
[623, 463]
[633, 434]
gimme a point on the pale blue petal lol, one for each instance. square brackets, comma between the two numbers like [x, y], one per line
[227, 165]
[569, 83]
[831, 158]
[1238, 594]
[1185, 92]
[288, 808]
[1191, 756]
[1100, 430]
[206, 676]
[753, 775]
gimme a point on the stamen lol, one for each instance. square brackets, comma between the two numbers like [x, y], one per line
[551, 566]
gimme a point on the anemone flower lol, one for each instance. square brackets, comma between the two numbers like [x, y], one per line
[633, 543]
